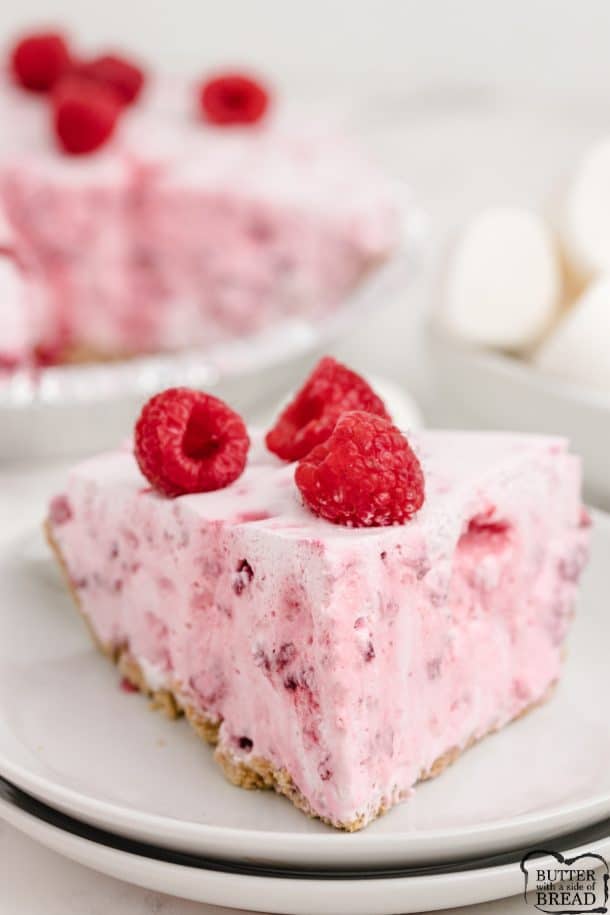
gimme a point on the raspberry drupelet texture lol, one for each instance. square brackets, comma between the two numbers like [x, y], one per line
[364, 475]
[330, 390]
[84, 114]
[123, 76]
[39, 60]
[232, 99]
[187, 441]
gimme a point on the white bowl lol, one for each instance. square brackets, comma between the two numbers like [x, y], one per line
[478, 388]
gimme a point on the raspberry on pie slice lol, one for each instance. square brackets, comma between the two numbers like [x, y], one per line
[188, 441]
[364, 475]
[339, 665]
[330, 390]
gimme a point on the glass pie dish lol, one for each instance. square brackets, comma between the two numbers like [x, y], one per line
[65, 410]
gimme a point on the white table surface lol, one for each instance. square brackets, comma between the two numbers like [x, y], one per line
[459, 150]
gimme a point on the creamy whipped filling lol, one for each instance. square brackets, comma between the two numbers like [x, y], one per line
[16, 334]
[177, 233]
[156, 675]
[352, 658]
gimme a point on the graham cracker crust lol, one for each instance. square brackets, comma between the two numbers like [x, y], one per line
[256, 773]
[83, 354]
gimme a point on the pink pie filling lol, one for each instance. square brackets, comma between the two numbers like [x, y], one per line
[353, 659]
[179, 234]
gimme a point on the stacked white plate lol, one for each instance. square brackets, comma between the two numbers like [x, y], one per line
[88, 771]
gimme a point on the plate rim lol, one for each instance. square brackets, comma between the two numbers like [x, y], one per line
[74, 803]
[220, 884]
[21, 800]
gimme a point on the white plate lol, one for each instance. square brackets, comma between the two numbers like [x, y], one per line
[483, 389]
[70, 736]
[222, 883]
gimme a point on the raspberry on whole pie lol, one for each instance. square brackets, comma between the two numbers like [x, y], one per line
[39, 60]
[117, 73]
[85, 115]
[233, 98]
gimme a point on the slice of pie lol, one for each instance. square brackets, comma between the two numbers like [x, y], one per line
[337, 664]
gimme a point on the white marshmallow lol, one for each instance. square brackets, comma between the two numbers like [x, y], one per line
[579, 347]
[503, 280]
[585, 215]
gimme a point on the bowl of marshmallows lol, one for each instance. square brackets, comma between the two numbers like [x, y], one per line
[520, 329]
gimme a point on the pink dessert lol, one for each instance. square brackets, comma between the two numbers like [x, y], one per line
[338, 665]
[178, 232]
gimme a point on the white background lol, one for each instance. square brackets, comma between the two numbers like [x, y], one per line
[352, 44]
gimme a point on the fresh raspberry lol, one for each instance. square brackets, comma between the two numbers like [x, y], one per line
[117, 73]
[39, 60]
[60, 510]
[52, 352]
[364, 475]
[127, 686]
[85, 114]
[330, 390]
[9, 363]
[188, 441]
[232, 98]
[242, 577]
